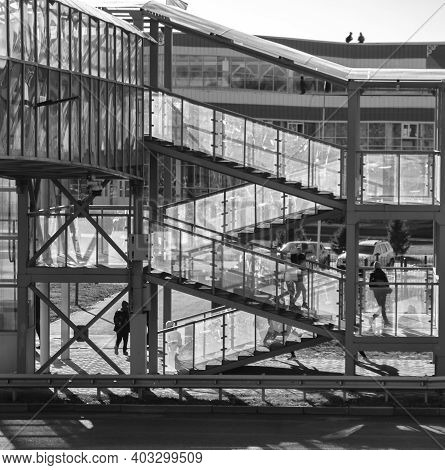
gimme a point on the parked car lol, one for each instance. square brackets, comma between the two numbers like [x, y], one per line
[310, 251]
[370, 251]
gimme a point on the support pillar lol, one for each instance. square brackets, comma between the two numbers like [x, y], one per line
[25, 324]
[440, 230]
[138, 338]
[167, 294]
[352, 176]
[45, 350]
[64, 328]
[152, 293]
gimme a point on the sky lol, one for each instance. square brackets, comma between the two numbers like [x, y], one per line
[327, 20]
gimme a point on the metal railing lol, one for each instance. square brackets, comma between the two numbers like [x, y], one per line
[225, 266]
[408, 302]
[210, 338]
[246, 141]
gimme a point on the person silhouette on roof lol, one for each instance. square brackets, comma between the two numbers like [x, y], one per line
[349, 38]
[361, 38]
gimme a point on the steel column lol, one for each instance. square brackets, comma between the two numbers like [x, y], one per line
[352, 182]
[167, 294]
[64, 328]
[152, 300]
[138, 337]
[44, 324]
[25, 328]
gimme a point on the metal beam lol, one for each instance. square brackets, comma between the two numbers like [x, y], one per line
[98, 274]
[77, 332]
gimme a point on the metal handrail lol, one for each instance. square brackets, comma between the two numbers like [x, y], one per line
[241, 116]
[243, 249]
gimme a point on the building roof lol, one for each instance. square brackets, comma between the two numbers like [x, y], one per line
[102, 15]
[286, 56]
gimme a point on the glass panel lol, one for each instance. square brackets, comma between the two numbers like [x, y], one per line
[65, 117]
[118, 55]
[119, 122]
[3, 30]
[4, 92]
[85, 121]
[8, 309]
[111, 53]
[111, 126]
[30, 111]
[42, 114]
[126, 127]
[54, 34]
[42, 32]
[140, 61]
[94, 47]
[181, 71]
[75, 116]
[133, 131]
[15, 108]
[140, 131]
[53, 110]
[294, 159]
[196, 79]
[166, 117]
[416, 172]
[15, 30]
[269, 204]
[103, 125]
[28, 31]
[85, 44]
[380, 174]
[209, 212]
[94, 121]
[437, 163]
[231, 143]
[64, 37]
[75, 41]
[198, 127]
[8, 247]
[132, 58]
[125, 57]
[261, 147]
[208, 341]
[240, 212]
[325, 167]
[102, 49]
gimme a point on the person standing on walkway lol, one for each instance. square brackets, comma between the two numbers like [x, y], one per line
[122, 327]
[378, 283]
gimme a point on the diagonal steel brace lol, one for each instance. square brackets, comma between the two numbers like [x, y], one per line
[77, 332]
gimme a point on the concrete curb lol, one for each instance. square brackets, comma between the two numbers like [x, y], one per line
[14, 408]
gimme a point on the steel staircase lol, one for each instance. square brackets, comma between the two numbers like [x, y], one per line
[224, 339]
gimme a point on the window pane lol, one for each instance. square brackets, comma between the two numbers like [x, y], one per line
[42, 31]
[132, 58]
[223, 72]
[111, 125]
[210, 71]
[64, 117]
[29, 110]
[64, 37]
[118, 55]
[196, 78]
[85, 121]
[125, 57]
[103, 124]
[75, 108]
[54, 34]
[103, 49]
[53, 112]
[126, 127]
[118, 127]
[181, 71]
[42, 113]
[133, 130]
[3, 30]
[15, 110]
[28, 30]
[111, 53]
[75, 41]
[4, 91]
[94, 48]
[94, 122]
[85, 45]
[15, 30]
[140, 59]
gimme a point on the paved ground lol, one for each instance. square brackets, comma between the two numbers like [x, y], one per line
[179, 430]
